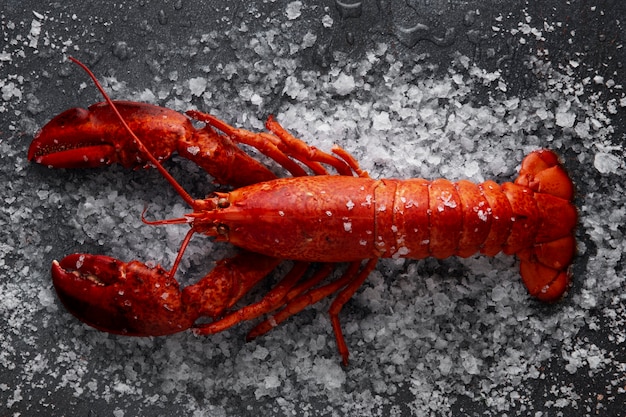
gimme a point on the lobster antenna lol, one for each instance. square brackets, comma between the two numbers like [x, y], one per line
[179, 189]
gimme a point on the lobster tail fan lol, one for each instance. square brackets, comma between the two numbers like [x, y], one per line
[545, 265]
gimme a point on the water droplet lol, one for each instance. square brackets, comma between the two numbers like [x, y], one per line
[121, 50]
[411, 36]
[347, 9]
[350, 38]
[162, 17]
[470, 18]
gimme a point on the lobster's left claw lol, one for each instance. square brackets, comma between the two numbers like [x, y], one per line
[122, 298]
[94, 137]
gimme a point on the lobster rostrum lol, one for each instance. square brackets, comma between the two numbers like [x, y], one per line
[322, 219]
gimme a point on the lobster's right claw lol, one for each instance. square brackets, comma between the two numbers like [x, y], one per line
[94, 137]
[122, 298]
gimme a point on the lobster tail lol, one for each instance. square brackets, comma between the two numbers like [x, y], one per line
[545, 265]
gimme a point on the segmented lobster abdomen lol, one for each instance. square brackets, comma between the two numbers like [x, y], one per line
[441, 218]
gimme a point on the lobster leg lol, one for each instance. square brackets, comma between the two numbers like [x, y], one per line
[268, 303]
[294, 299]
[222, 159]
[347, 285]
[342, 298]
[280, 146]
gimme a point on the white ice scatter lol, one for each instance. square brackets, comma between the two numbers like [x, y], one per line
[197, 86]
[329, 373]
[381, 121]
[272, 381]
[327, 21]
[294, 89]
[344, 84]
[293, 10]
[441, 303]
[470, 363]
[565, 119]
[46, 298]
[9, 90]
[308, 40]
[147, 96]
[606, 163]
[35, 31]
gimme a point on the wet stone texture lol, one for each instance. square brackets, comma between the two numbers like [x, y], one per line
[412, 89]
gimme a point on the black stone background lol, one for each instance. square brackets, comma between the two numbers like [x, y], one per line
[136, 40]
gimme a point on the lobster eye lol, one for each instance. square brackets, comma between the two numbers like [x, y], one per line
[222, 229]
[223, 202]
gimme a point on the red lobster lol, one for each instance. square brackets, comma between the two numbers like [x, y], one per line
[307, 219]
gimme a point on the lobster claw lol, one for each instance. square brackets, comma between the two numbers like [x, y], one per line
[122, 298]
[93, 137]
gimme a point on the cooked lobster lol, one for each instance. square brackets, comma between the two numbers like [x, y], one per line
[323, 219]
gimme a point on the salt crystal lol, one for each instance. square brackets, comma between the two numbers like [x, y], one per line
[442, 303]
[512, 103]
[46, 298]
[471, 168]
[381, 121]
[595, 361]
[344, 84]
[607, 163]
[193, 150]
[256, 99]
[272, 381]
[197, 86]
[445, 365]
[260, 353]
[308, 40]
[327, 21]
[565, 119]
[470, 363]
[542, 113]
[10, 90]
[294, 88]
[582, 129]
[293, 10]
[147, 96]
[498, 294]
[329, 373]
[35, 31]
